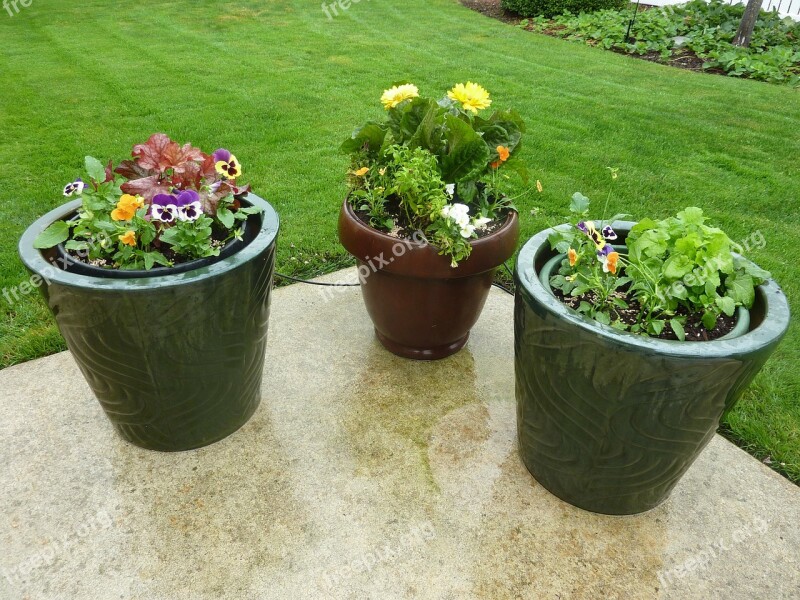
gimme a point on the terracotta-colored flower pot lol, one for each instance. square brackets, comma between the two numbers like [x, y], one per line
[423, 308]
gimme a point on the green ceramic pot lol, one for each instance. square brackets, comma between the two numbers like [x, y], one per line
[609, 421]
[175, 360]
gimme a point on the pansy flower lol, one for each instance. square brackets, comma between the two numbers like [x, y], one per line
[609, 257]
[164, 208]
[573, 257]
[76, 187]
[126, 208]
[589, 229]
[189, 206]
[609, 233]
[128, 238]
[502, 156]
[226, 164]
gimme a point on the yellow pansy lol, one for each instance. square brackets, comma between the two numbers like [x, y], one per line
[127, 207]
[128, 238]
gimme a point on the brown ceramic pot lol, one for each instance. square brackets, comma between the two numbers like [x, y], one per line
[421, 307]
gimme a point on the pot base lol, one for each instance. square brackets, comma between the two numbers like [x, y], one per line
[421, 353]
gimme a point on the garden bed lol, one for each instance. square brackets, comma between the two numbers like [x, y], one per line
[695, 36]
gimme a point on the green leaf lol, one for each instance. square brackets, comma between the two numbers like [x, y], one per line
[369, 137]
[226, 217]
[95, 169]
[677, 327]
[758, 274]
[677, 266]
[579, 203]
[710, 319]
[692, 216]
[57, 233]
[740, 287]
[78, 245]
[468, 155]
[657, 326]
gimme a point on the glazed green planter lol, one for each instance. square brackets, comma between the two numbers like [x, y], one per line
[176, 360]
[609, 421]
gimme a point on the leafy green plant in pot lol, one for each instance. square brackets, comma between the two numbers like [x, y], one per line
[159, 276]
[426, 216]
[631, 342]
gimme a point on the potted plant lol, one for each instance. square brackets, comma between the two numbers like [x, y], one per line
[631, 342]
[426, 217]
[159, 276]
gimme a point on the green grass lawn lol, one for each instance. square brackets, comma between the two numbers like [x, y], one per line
[280, 84]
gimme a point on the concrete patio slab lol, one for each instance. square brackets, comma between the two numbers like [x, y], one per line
[361, 475]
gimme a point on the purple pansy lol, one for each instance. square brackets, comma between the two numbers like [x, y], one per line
[189, 206]
[185, 206]
[76, 187]
[609, 233]
[164, 208]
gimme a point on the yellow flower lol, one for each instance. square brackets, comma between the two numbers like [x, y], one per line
[361, 172]
[394, 96]
[127, 207]
[128, 238]
[573, 257]
[503, 154]
[471, 96]
[539, 187]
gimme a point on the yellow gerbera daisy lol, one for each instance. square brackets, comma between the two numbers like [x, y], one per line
[471, 96]
[394, 96]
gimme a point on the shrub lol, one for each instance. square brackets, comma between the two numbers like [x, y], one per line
[551, 8]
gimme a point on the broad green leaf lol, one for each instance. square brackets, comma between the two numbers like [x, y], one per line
[95, 169]
[468, 155]
[709, 319]
[726, 304]
[226, 217]
[692, 216]
[369, 137]
[57, 233]
[758, 274]
[740, 287]
[579, 203]
[677, 266]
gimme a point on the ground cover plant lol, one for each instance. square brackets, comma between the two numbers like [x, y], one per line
[281, 85]
[697, 30]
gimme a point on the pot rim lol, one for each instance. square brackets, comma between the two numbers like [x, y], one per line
[488, 252]
[33, 259]
[768, 332]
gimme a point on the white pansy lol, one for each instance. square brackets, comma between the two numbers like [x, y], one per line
[450, 188]
[467, 230]
[481, 222]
